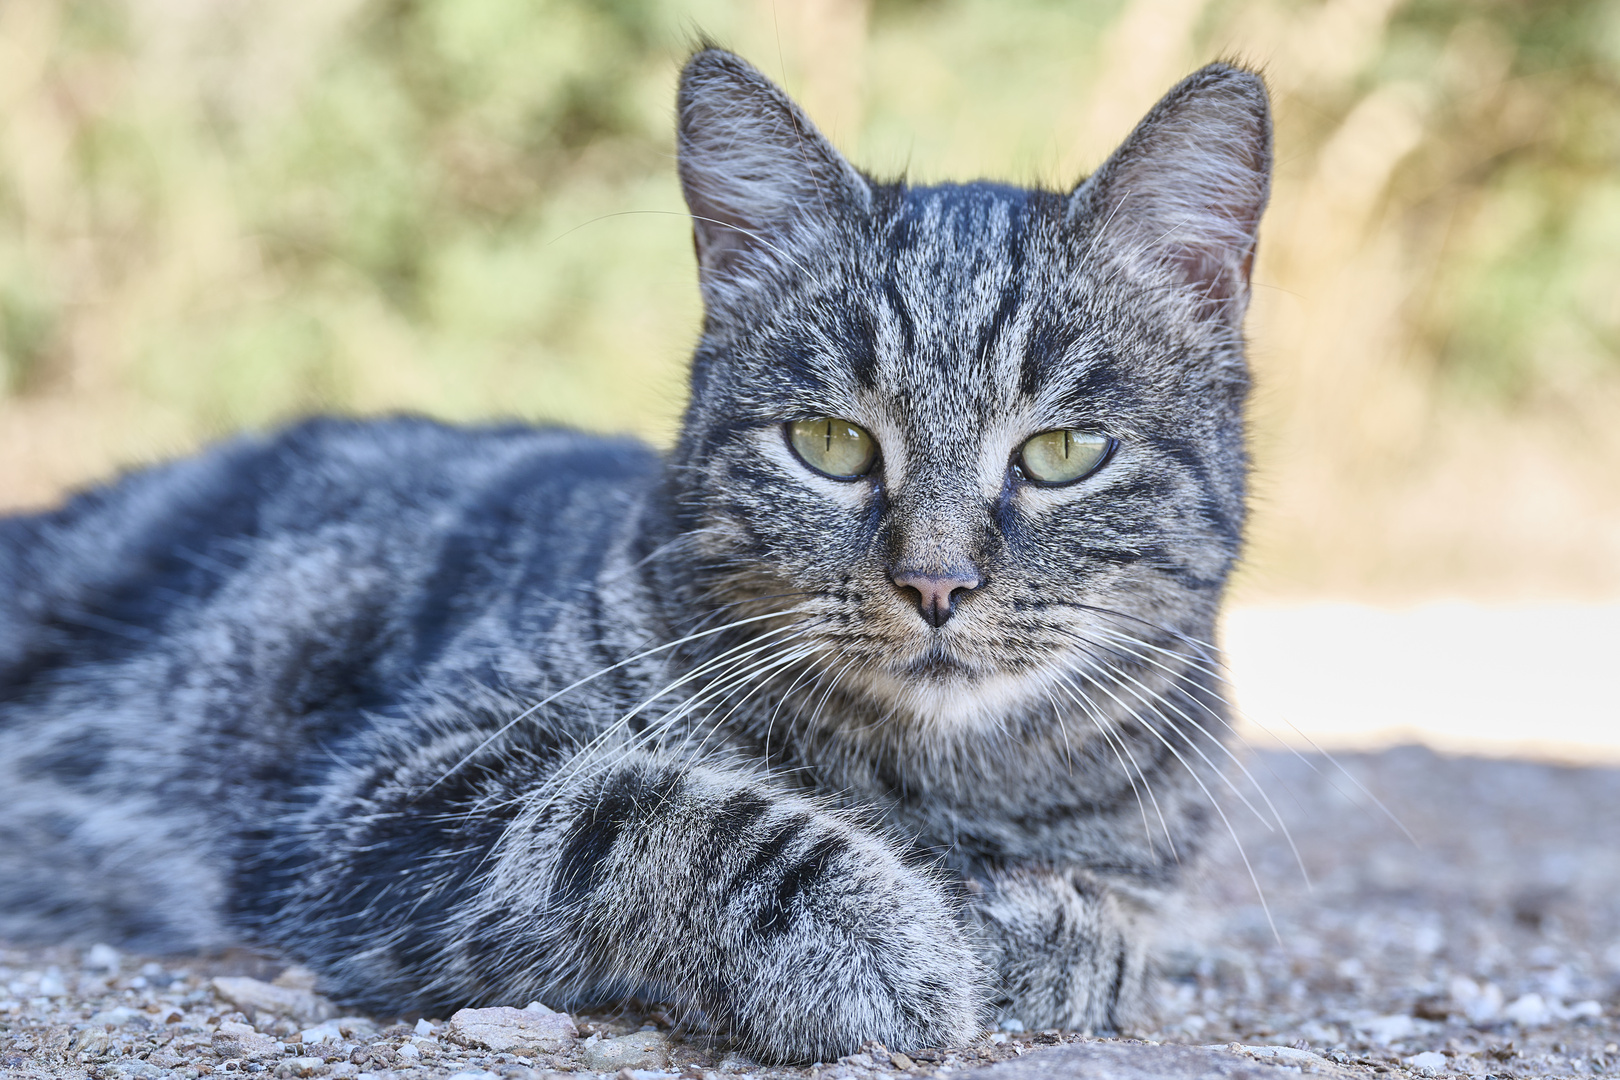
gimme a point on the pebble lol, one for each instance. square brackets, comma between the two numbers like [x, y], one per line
[337, 1030]
[1529, 1010]
[133, 1070]
[297, 977]
[251, 996]
[298, 1066]
[234, 1040]
[1429, 1059]
[504, 1029]
[643, 1050]
[117, 1016]
[103, 958]
[1481, 1004]
[1278, 1053]
[1384, 1030]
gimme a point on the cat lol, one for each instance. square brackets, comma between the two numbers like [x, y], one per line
[882, 706]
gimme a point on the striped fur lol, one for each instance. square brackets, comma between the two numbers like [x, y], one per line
[479, 715]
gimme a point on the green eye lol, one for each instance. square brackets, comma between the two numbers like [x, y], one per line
[832, 446]
[1059, 457]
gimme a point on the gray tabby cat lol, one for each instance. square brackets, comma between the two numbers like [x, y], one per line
[877, 708]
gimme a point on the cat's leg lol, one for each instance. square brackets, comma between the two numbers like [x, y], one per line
[788, 928]
[1067, 951]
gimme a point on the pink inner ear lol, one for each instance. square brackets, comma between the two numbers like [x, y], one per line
[1217, 273]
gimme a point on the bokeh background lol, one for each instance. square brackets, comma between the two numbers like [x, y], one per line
[223, 214]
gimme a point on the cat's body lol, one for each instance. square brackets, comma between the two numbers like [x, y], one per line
[480, 716]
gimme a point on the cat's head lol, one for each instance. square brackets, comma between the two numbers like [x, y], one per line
[970, 434]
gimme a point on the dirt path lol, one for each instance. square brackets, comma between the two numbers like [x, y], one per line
[1489, 944]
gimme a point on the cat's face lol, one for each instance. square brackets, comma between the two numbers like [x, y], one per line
[968, 435]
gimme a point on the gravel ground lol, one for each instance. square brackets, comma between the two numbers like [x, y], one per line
[1486, 944]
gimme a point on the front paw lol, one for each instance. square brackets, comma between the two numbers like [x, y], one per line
[1066, 950]
[841, 943]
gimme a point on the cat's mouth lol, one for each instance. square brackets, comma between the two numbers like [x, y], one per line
[935, 665]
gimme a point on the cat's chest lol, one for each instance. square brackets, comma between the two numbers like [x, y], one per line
[1010, 813]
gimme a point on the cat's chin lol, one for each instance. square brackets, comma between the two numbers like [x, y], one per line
[949, 696]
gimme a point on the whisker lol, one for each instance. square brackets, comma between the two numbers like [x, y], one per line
[1213, 802]
[1220, 674]
[537, 706]
[1083, 699]
[1063, 730]
[1125, 643]
[725, 664]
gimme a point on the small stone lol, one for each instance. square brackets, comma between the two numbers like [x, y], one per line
[643, 1050]
[51, 985]
[103, 958]
[132, 1070]
[503, 1029]
[251, 995]
[409, 1054]
[337, 1030]
[1384, 1030]
[1481, 1004]
[92, 1040]
[1427, 1062]
[901, 1061]
[298, 1066]
[117, 1016]
[424, 1028]
[343, 1069]
[1530, 1010]
[296, 977]
[234, 1040]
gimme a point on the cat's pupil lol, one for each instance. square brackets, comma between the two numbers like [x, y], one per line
[833, 447]
[1064, 455]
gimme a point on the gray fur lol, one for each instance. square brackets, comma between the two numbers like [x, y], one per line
[465, 716]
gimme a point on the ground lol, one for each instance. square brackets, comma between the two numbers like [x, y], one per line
[1486, 942]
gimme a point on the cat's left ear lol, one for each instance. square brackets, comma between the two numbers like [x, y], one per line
[756, 172]
[1182, 197]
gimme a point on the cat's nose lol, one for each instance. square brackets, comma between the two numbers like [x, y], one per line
[936, 593]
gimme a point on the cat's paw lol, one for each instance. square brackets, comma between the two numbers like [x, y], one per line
[1067, 952]
[843, 943]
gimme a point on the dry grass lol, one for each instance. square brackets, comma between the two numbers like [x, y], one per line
[221, 215]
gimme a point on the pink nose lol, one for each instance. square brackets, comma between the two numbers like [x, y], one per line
[936, 593]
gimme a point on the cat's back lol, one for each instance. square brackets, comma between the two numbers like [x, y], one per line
[433, 522]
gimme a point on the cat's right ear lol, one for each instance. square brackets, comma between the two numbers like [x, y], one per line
[1180, 201]
[757, 174]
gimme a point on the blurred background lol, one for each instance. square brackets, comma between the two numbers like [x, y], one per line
[223, 214]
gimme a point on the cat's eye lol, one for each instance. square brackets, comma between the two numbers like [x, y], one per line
[832, 446]
[1063, 456]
